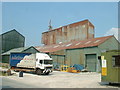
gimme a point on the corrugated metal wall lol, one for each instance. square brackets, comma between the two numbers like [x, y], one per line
[12, 40]
[91, 62]
[5, 58]
[58, 60]
[110, 44]
[0, 48]
[79, 56]
[75, 31]
[74, 56]
[113, 73]
[84, 55]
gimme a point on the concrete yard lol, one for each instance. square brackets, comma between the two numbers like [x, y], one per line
[56, 79]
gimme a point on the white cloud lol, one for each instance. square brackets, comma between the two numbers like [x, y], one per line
[115, 32]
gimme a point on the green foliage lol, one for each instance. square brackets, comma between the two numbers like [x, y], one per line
[3, 73]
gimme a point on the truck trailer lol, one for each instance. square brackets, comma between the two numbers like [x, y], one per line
[40, 63]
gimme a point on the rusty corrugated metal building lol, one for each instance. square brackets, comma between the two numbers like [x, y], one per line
[84, 52]
[75, 44]
[76, 31]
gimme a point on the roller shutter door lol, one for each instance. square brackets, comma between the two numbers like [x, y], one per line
[91, 62]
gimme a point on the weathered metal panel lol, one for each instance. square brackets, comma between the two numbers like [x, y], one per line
[110, 44]
[74, 56]
[93, 50]
[61, 60]
[113, 73]
[12, 39]
[5, 59]
[74, 44]
[61, 52]
[78, 56]
[91, 32]
[58, 60]
[71, 32]
[0, 48]
[55, 64]
[91, 61]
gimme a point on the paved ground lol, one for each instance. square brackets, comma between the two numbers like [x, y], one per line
[55, 80]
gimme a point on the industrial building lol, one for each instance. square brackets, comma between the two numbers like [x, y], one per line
[6, 55]
[75, 44]
[76, 31]
[84, 52]
[11, 39]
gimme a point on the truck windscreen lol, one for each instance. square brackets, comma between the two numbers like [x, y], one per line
[48, 61]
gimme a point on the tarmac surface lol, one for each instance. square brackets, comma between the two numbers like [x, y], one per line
[56, 79]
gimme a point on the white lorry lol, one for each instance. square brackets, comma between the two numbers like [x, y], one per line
[40, 63]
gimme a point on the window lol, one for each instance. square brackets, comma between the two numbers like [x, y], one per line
[116, 61]
[41, 61]
[48, 61]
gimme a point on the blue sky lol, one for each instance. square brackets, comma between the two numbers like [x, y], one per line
[32, 18]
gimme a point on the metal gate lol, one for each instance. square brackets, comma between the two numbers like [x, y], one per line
[91, 62]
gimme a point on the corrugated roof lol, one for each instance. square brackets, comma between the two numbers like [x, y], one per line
[74, 44]
[17, 50]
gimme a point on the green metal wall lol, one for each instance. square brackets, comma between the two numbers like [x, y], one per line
[110, 44]
[58, 60]
[5, 58]
[79, 56]
[113, 73]
[91, 62]
[74, 56]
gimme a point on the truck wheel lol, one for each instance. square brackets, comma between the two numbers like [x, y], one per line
[38, 72]
[47, 73]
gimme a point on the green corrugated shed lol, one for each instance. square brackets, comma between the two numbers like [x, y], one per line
[5, 56]
[86, 53]
[58, 58]
[9, 40]
[89, 56]
[12, 39]
[58, 61]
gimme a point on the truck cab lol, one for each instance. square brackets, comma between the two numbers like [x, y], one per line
[44, 63]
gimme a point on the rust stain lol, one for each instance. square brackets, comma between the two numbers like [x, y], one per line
[74, 44]
[72, 32]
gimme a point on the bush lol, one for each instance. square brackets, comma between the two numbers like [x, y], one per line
[4, 65]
